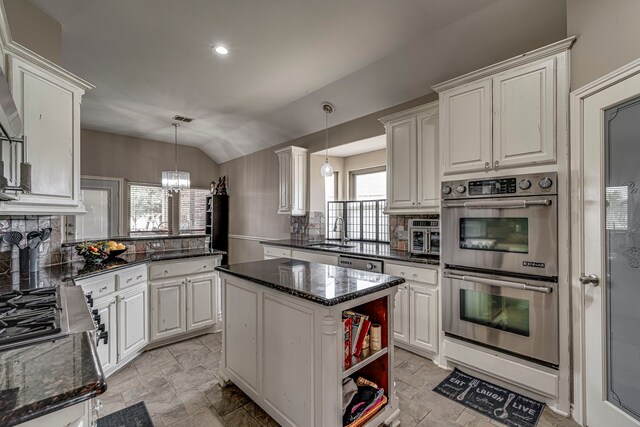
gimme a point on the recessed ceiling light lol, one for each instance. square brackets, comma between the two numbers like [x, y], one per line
[220, 50]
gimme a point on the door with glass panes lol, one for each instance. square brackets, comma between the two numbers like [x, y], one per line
[607, 248]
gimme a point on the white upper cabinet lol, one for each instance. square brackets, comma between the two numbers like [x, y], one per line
[466, 127]
[48, 99]
[412, 160]
[506, 115]
[292, 190]
[402, 163]
[428, 170]
[524, 110]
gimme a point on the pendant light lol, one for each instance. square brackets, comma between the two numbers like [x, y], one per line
[175, 180]
[326, 170]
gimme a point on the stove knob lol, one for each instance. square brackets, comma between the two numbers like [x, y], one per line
[94, 312]
[446, 189]
[90, 301]
[101, 327]
[461, 189]
[96, 318]
[370, 266]
[525, 184]
[545, 182]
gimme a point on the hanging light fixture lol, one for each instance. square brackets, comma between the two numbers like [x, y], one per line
[326, 170]
[175, 180]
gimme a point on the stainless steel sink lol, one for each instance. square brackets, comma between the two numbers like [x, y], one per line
[328, 245]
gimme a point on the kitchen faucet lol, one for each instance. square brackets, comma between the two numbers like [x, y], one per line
[343, 232]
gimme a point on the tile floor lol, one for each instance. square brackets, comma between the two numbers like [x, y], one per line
[179, 386]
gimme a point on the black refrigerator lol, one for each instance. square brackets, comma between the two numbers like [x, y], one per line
[217, 226]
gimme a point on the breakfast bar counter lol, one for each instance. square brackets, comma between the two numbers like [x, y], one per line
[284, 338]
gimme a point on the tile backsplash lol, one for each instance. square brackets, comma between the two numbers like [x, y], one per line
[49, 252]
[308, 227]
[53, 251]
[398, 229]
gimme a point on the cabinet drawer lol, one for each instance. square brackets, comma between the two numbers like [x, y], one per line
[424, 275]
[277, 252]
[99, 286]
[132, 276]
[182, 268]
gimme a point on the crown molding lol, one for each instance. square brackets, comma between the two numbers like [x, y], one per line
[431, 107]
[525, 58]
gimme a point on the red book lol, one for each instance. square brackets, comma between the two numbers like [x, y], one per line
[346, 327]
[364, 330]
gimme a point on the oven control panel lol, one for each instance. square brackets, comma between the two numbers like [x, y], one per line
[508, 186]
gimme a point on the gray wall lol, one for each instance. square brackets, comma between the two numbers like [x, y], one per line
[141, 160]
[34, 29]
[608, 37]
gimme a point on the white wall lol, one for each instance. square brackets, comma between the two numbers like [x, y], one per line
[361, 161]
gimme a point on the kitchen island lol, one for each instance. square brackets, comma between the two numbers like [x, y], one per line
[284, 341]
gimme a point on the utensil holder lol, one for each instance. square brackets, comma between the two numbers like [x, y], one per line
[29, 261]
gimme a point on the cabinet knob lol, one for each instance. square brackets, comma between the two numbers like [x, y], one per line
[496, 164]
[487, 165]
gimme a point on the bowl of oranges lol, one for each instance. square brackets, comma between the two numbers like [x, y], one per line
[115, 249]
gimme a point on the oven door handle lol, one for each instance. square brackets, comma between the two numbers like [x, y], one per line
[502, 283]
[499, 204]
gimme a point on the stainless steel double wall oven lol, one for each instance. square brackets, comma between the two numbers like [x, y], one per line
[500, 250]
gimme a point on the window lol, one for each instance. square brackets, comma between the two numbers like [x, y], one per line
[617, 208]
[363, 220]
[368, 184]
[193, 207]
[331, 188]
[148, 208]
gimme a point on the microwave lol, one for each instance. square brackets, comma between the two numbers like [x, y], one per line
[424, 236]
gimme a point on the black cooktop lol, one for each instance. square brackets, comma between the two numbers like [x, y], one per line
[30, 315]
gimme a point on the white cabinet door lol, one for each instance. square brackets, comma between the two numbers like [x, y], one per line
[424, 317]
[524, 115]
[465, 133]
[132, 321]
[107, 351]
[284, 179]
[168, 316]
[292, 175]
[401, 314]
[50, 109]
[402, 164]
[240, 343]
[201, 310]
[428, 160]
[315, 257]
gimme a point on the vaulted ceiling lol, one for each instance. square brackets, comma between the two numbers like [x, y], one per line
[152, 59]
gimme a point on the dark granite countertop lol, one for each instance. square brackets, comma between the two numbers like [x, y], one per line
[46, 377]
[140, 237]
[365, 249]
[78, 269]
[320, 283]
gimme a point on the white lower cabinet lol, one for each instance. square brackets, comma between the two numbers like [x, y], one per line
[107, 346]
[201, 307]
[133, 321]
[423, 330]
[415, 316]
[315, 257]
[401, 314]
[183, 302]
[167, 309]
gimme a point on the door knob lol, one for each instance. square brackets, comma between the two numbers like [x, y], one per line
[591, 279]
